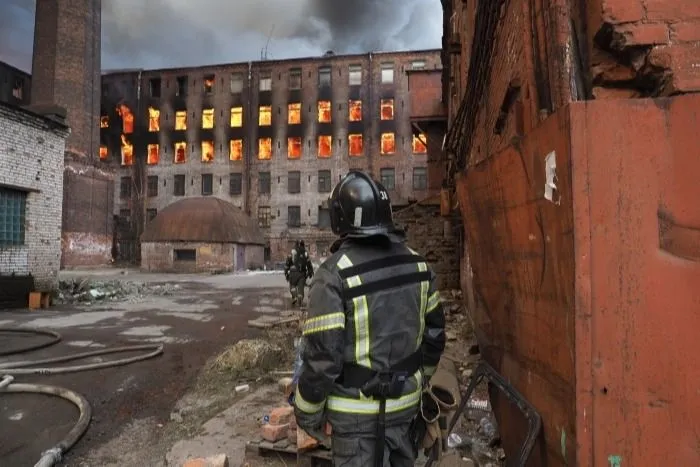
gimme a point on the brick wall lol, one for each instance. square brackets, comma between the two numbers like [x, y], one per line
[31, 160]
[436, 238]
[209, 257]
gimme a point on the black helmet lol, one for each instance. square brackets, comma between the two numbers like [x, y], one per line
[360, 207]
[301, 243]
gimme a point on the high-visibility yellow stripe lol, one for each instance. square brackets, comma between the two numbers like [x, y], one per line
[433, 301]
[344, 262]
[306, 406]
[424, 287]
[324, 323]
[360, 316]
[369, 406]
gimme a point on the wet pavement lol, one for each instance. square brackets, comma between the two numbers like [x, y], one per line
[203, 315]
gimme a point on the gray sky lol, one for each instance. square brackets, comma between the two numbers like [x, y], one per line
[172, 33]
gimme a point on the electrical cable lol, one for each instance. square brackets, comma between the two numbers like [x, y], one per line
[54, 455]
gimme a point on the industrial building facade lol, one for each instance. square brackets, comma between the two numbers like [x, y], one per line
[271, 137]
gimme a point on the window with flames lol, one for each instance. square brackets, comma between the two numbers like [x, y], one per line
[265, 115]
[420, 144]
[294, 147]
[324, 111]
[325, 146]
[153, 156]
[104, 121]
[180, 155]
[127, 151]
[236, 150]
[355, 145]
[104, 153]
[387, 109]
[265, 149]
[127, 119]
[207, 151]
[181, 120]
[355, 111]
[388, 143]
[207, 119]
[294, 113]
[236, 117]
[153, 120]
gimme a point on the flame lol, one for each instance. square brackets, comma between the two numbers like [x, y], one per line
[104, 121]
[265, 149]
[127, 118]
[355, 145]
[294, 148]
[180, 152]
[294, 110]
[419, 146]
[153, 120]
[324, 111]
[207, 151]
[236, 150]
[236, 117]
[103, 153]
[325, 146]
[388, 143]
[153, 154]
[127, 151]
[355, 108]
[265, 115]
[208, 83]
[181, 120]
[208, 119]
[387, 109]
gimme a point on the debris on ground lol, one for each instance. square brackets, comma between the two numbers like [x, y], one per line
[90, 291]
[214, 461]
[246, 355]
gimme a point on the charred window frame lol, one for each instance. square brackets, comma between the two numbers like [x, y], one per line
[324, 218]
[420, 178]
[18, 89]
[387, 69]
[265, 81]
[151, 214]
[294, 216]
[355, 75]
[419, 144]
[208, 84]
[152, 186]
[125, 188]
[324, 76]
[104, 153]
[185, 255]
[154, 85]
[295, 78]
[324, 181]
[264, 183]
[264, 216]
[182, 82]
[207, 184]
[236, 184]
[104, 121]
[179, 185]
[294, 182]
[237, 83]
[387, 177]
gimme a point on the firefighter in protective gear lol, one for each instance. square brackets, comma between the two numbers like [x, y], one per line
[297, 269]
[374, 334]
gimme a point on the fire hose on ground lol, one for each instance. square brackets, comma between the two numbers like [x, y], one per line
[53, 456]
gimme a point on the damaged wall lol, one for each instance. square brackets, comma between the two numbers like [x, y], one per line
[31, 168]
[187, 257]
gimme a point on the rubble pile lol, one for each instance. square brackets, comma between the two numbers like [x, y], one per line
[88, 290]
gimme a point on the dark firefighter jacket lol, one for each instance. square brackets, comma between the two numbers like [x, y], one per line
[373, 306]
[298, 263]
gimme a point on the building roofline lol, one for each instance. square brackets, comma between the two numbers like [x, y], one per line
[53, 121]
[263, 63]
[18, 70]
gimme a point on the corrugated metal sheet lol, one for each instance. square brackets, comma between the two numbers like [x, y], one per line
[208, 220]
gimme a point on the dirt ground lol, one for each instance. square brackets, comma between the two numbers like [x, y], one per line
[163, 411]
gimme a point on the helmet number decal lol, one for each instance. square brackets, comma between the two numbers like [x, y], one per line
[383, 195]
[357, 221]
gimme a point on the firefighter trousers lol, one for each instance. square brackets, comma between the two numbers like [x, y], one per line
[357, 449]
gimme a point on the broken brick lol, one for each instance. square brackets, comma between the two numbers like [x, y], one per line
[305, 441]
[614, 93]
[292, 436]
[640, 34]
[220, 460]
[281, 415]
[274, 433]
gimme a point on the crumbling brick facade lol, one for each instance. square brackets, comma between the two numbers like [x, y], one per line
[66, 72]
[287, 193]
[31, 183]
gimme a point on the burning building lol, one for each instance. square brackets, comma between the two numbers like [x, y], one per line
[270, 137]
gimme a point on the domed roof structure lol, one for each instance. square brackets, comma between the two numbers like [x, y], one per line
[203, 220]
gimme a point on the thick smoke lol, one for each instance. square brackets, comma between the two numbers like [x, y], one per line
[173, 33]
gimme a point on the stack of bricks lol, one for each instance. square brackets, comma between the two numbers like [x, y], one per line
[282, 427]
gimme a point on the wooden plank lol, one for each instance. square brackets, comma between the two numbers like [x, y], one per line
[262, 448]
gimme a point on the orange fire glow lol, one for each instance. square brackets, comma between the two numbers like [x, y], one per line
[265, 149]
[387, 109]
[388, 143]
[127, 151]
[325, 146]
[265, 115]
[355, 108]
[294, 148]
[207, 151]
[294, 117]
[103, 153]
[236, 150]
[236, 117]
[181, 120]
[355, 146]
[208, 119]
[208, 84]
[153, 120]
[104, 121]
[127, 118]
[153, 154]
[180, 153]
[324, 111]
[419, 144]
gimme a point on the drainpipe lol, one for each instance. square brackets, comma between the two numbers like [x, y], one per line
[248, 142]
